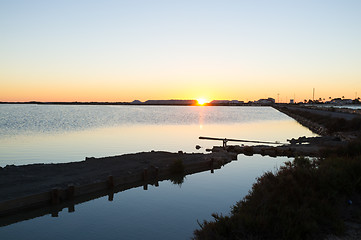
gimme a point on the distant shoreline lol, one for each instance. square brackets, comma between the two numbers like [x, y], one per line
[172, 103]
[134, 104]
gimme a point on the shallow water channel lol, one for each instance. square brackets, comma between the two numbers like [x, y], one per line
[169, 211]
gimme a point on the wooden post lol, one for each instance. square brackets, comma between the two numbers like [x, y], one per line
[263, 152]
[212, 165]
[55, 214]
[55, 196]
[70, 192]
[110, 182]
[145, 174]
[71, 208]
[145, 187]
[111, 196]
[156, 172]
[225, 143]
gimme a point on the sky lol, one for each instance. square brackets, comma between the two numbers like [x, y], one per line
[123, 50]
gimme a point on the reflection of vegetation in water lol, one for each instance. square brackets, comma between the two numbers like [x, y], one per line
[177, 167]
[177, 171]
[303, 200]
[178, 179]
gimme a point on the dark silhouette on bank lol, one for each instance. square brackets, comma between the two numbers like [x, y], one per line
[307, 198]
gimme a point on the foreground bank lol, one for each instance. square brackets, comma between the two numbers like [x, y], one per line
[38, 185]
[306, 199]
[303, 200]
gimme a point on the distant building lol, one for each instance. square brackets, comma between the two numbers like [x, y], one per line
[220, 102]
[272, 100]
[136, 102]
[265, 101]
[347, 101]
[339, 101]
[226, 102]
[236, 102]
[292, 101]
[171, 102]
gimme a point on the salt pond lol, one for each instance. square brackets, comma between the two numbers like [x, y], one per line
[49, 133]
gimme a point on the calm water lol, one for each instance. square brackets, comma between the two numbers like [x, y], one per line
[339, 106]
[48, 133]
[37, 133]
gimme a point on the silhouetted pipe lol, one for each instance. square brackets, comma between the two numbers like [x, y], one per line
[225, 140]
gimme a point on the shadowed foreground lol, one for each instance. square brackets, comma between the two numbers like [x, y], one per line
[38, 185]
[303, 200]
[307, 199]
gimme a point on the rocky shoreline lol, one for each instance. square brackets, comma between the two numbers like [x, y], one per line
[314, 127]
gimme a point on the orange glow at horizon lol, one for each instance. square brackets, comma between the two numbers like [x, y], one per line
[202, 101]
[90, 90]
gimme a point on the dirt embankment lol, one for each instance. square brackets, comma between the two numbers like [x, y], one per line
[39, 184]
[345, 125]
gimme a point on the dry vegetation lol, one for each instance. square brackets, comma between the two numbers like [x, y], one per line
[305, 199]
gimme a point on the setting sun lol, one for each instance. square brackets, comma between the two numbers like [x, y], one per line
[202, 101]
